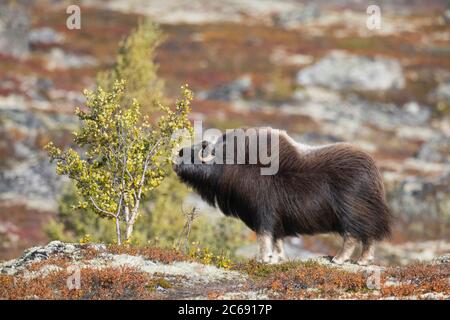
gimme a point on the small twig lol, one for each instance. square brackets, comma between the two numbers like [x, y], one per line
[185, 233]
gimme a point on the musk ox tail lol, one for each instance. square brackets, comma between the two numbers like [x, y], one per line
[360, 197]
[367, 220]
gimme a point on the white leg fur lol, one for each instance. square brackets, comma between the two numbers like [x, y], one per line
[266, 254]
[278, 250]
[367, 254]
[347, 250]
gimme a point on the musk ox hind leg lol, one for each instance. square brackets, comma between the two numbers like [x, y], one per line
[367, 254]
[266, 246]
[346, 251]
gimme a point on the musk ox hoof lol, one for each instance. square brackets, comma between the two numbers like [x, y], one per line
[365, 262]
[269, 260]
[338, 260]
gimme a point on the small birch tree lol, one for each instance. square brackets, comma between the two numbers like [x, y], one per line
[126, 156]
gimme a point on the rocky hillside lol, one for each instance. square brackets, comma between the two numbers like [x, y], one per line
[95, 271]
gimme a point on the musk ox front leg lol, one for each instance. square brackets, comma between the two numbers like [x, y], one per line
[266, 252]
[270, 251]
[278, 249]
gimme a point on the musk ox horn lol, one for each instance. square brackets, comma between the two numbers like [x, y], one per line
[208, 158]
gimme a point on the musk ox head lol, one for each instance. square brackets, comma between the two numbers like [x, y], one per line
[195, 161]
[206, 165]
[196, 167]
[251, 147]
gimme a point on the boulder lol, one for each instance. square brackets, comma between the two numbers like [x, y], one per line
[343, 71]
[14, 28]
[421, 200]
[359, 111]
[58, 59]
[295, 18]
[45, 36]
[34, 181]
[230, 91]
[442, 92]
[437, 149]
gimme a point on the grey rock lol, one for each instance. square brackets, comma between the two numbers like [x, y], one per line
[58, 59]
[446, 16]
[230, 91]
[45, 35]
[315, 138]
[34, 180]
[14, 28]
[342, 71]
[294, 18]
[442, 92]
[35, 254]
[445, 259]
[436, 150]
[53, 249]
[408, 252]
[426, 199]
[358, 111]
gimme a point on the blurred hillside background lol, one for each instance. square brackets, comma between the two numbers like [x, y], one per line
[312, 68]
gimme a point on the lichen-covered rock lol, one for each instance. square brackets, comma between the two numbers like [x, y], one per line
[426, 198]
[442, 92]
[36, 254]
[342, 71]
[295, 18]
[45, 35]
[360, 112]
[59, 59]
[229, 91]
[34, 181]
[437, 149]
[14, 28]
[445, 259]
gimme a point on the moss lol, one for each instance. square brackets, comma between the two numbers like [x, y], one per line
[158, 282]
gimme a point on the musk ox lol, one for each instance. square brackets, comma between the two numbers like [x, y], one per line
[333, 188]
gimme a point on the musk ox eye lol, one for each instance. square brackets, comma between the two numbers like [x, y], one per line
[208, 157]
